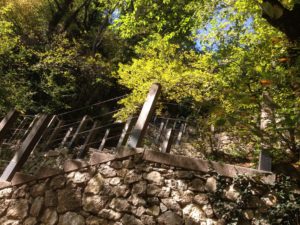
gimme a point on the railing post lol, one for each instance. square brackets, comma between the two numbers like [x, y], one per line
[66, 137]
[78, 130]
[26, 148]
[36, 117]
[125, 132]
[88, 139]
[138, 132]
[166, 125]
[101, 147]
[54, 134]
[162, 124]
[180, 134]
[265, 161]
[174, 125]
[167, 143]
[7, 123]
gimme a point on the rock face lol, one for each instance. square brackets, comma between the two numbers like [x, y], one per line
[133, 192]
[68, 200]
[50, 217]
[18, 209]
[71, 218]
[169, 218]
[36, 206]
[95, 184]
[94, 203]
[192, 214]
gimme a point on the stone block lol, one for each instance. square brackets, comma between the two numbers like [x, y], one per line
[36, 206]
[71, 218]
[49, 217]
[169, 218]
[18, 209]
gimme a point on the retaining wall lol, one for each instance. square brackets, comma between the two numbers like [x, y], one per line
[137, 187]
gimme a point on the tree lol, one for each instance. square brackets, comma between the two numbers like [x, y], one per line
[70, 50]
[238, 51]
[15, 89]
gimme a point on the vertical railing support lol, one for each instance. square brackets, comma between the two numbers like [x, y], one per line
[178, 140]
[66, 137]
[167, 143]
[89, 139]
[265, 161]
[54, 134]
[26, 148]
[138, 132]
[7, 123]
[162, 124]
[174, 125]
[35, 118]
[166, 125]
[78, 130]
[101, 147]
[125, 132]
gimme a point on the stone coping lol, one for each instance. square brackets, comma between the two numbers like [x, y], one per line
[147, 155]
[207, 166]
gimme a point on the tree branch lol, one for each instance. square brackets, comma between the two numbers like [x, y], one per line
[72, 17]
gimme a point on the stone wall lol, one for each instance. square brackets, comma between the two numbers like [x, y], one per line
[133, 191]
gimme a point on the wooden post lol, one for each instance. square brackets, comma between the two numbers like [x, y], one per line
[265, 161]
[101, 147]
[166, 125]
[125, 133]
[52, 121]
[88, 140]
[50, 124]
[167, 143]
[7, 123]
[66, 137]
[78, 130]
[135, 139]
[180, 134]
[174, 125]
[26, 148]
[36, 117]
[162, 124]
[54, 134]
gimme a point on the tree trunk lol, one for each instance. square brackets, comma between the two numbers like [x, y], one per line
[57, 17]
[287, 21]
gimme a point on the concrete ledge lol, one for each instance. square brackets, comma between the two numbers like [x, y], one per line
[4, 184]
[126, 152]
[46, 172]
[176, 160]
[151, 156]
[74, 164]
[207, 166]
[21, 178]
[99, 157]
